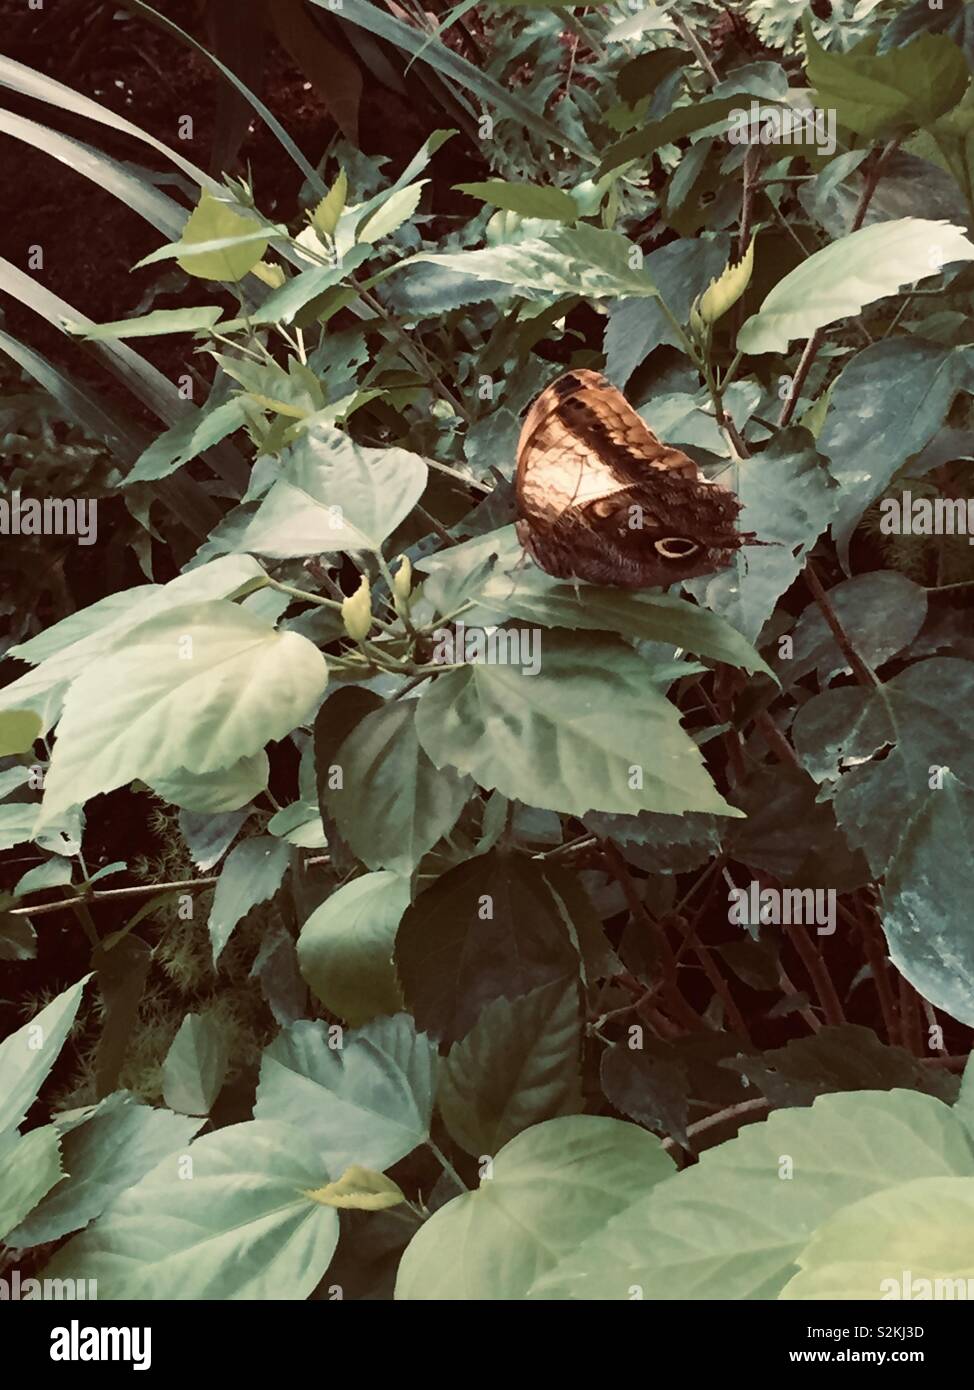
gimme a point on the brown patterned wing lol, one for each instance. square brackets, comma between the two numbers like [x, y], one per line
[601, 498]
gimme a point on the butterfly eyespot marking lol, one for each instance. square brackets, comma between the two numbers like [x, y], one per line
[676, 547]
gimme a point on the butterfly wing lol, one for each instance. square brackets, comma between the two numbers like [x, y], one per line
[601, 498]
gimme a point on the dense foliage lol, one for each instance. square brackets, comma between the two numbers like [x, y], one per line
[626, 954]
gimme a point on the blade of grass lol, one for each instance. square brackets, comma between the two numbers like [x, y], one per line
[141, 378]
[450, 65]
[183, 496]
[267, 116]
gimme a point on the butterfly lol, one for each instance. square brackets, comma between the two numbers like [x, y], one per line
[600, 498]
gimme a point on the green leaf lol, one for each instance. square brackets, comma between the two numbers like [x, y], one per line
[530, 200]
[544, 1193]
[18, 730]
[112, 1148]
[914, 1241]
[226, 789]
[159, 321]
[393, 804]
[186, 441]
[217, 680]
[28, 1055]
[888, 93]
[242, 1228]
[964, 1108]
[840, 280]
[506, 588]
[875, 749]
[642, 75]
[881, 613]
[18, 939]
[886, 405]
[68, 648]
[53, 873]
[31, 1167]
[300, 824]
[650, 1084]
[681, 270]
[789, 498]
[572, 260]
[491, 95]
[725, 289]
[195, 1066]
[252, 873]
[732, 1226]
[285, 304]
[676, 125]
[518, 1065]
[18, 820]
[345, 947]
[361, 1189]
[333, 494]
[926, 901]
[843, 1057]
[217, 221]
[953, 17]
[391, 214]
[325, 217]
[489, 928]
[361, 1097]
[572, 738]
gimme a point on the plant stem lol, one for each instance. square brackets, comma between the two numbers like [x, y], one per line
[863, 673]
[446, 1165]
[815, 341]
[141, 890]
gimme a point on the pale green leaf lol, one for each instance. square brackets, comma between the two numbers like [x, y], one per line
[733, 1225]
[360, 1189]
[392, 213]
[199, 686]
[226, 789]
[543, 1194]
[27, 1055]
[364, 1096]
[345, 947]
[840, 280]
[159, 321]
[71, 646]
[31, 1167]
[195, 1066]
[252, 873]
[528, 199]
[112, 1148]
[572, 260]
[241, 1228]
[914, 1241]
[333, 494]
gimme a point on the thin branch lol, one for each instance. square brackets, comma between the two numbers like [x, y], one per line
[142, 890]
[741, 1109]
[863, 673]
[696, 48]
[818, 973]
[815, 341]
[620, 872]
